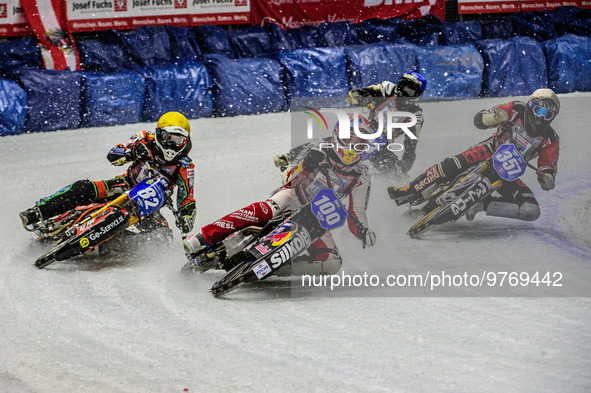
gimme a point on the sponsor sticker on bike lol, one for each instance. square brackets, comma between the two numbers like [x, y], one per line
[84, 242]
[474, 194]
[296, 245]
[279, 233]
[280, 238]
[263, 249]
[261, 270]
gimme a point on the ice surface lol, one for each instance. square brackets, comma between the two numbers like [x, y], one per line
[136, 325]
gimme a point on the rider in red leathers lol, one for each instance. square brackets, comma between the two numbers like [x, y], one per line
[349, 178]
[527, 125]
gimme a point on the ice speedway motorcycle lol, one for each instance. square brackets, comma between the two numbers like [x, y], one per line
[257, 253]
[452, 200]
[83, 229]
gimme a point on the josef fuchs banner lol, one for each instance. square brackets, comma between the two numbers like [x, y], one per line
[93, 15]
[13, 22]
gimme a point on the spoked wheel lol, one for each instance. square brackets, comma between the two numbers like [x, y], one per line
[234, 278]
[424, 224]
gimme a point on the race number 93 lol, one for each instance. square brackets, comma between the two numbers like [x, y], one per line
[328, 209]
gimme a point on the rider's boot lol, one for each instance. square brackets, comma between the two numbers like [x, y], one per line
[481, 206]
[194, 243]
[420, 187]
[403, 195]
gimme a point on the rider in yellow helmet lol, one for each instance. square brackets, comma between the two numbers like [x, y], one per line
[166, 148]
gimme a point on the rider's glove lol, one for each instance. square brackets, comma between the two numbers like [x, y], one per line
[367, 236]
[185, 218]
[139, 152]
[546, 179]
[353, 97]
[494, 117]
[281, 161]
[357, 98]
[184, 223]
[118, 156]
[501, 116]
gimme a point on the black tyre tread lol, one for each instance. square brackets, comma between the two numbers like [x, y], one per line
[233, 279]
[49, 257]
[424, 224]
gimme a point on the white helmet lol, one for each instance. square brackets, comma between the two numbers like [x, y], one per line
[541, 108]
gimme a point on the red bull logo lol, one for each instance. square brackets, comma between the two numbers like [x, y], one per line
[280, 238]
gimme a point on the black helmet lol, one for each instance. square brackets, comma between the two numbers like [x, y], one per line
[541, 108]
[411, 86]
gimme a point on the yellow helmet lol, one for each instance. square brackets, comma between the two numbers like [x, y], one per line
[173, 133]
[172, 119]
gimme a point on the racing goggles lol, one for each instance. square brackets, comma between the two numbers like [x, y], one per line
[541, 111]
[176, 136]
[406, 89]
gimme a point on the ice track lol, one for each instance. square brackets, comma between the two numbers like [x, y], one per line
[135, 325]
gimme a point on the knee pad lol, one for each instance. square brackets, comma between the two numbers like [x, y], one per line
[332, 265]
[97, 189]
[83, 187]
[281, 201]
[526, 211]
[114, 187]
[450, 167]
[529, 211]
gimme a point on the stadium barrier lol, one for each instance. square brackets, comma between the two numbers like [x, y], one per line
[207, 71]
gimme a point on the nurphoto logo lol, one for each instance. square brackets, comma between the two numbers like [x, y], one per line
[380, 137]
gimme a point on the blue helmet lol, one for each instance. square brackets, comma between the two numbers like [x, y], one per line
[411, 85]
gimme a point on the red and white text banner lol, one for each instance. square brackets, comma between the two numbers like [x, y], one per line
[499, 6]
[13, 22]
[296, 13]
[93, 15]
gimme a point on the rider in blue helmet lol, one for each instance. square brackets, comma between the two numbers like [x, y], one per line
[402, 97]
[411, 85]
